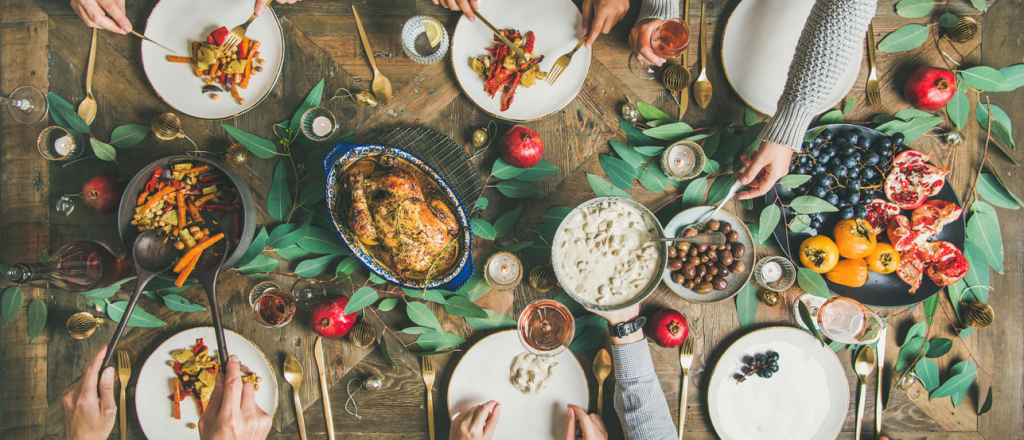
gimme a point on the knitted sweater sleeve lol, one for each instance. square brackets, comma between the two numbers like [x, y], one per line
[639, 399]
[661, 9]
[828, 44]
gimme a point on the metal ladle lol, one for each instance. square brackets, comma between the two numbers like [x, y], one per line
[704, 238]
[152, 252]
[206, 271]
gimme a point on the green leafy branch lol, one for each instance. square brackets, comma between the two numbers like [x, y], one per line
[123, 137]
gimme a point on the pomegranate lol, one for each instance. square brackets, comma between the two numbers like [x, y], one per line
[911, 269]
[912, 179]
[901, 234]
[929, 88]
[103, 193]
[929, 218]
[521, 147]
[947, 266]
[669, 328]
[328, 319]
[880, 214]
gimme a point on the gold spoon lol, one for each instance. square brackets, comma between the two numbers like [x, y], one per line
[87, 108]
[863, 365]
[602, 366]
[381, 86]
[702, 87]
[293, 374]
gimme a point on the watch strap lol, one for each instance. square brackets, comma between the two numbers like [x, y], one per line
[627, 328]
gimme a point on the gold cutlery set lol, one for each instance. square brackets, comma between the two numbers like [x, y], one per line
[676, 77]
[293, 374]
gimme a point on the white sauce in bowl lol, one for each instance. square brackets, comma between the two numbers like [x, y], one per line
[600, 260]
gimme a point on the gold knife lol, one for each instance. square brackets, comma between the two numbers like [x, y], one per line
[318, 354]
[151, 41]
[518, 51]
[878, 386]
[684, 95]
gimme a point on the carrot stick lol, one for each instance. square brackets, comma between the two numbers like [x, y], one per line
[176, 383]
[177, 59]
[181, 210]
[243, 46]
[204, 199]
[234, 90]
[195, 59]
[186, 261]
[214, 66]
[197, 169]
[192, 209]
[156, 198]
[252, 50]
[142, 199]
[195, 251]
[246, 74]
[180, 281]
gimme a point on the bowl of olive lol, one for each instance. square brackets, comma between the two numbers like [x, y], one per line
[707, 274]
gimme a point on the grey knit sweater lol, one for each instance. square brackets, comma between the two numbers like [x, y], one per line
[639, 400]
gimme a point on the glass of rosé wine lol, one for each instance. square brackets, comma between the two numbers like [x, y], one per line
[668, 41]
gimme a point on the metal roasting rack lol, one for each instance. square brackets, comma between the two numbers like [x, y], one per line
[444, 154]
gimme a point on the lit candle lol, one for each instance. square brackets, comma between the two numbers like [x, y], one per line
[322, 125]
[63, 146]
[680, 160]
[503, 271]
[771, 272]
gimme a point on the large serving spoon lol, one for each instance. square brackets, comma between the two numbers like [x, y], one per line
[206, 271]
[735, 189]
[702, 87]
[87, 108]
[863, 365]
[602, 366]
[153, 252]
[709, 238]
[381, 86]
[293, 374]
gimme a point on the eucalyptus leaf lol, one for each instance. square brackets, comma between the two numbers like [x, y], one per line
[416, 330]
[475, 288]
[555, 214]
[917, 127]
[619, 172]
[438, 340]
[812, 282]
[64, 114]
[800, 223]
[649, 151]
[515, 189]
[805, 316]
[139, 318]
[127, 136]
[105, 292]
[999, 181]
[948, 20]
[903, 39]
[503, 170]
[711, 166]
[279, 199]
[811, 205]
[494, 320]
[755, 232]
[481, 228]
[911, 351]
[831, 117]
[426, 295]
[574, 307]
[746, 305]
[995, 192]
[669, 132]
[588, 339]
[320, 241]
[928, 371]
[387, 304]
[655, 179]
[292, 252]
[541, 170]
[914, 8]
[347, 266]
[650, 112]
[984, 78]
[256, 145]
[103, 150]
[385, 350]
[36, 319]
[794, 180]
[314, 267]
[460, 306]
[749, 116]
[813, 133]
[987, 406]
[314, 192]
[503, 226]
[966, 332]
[918, 330]
[602, 188]
[849, 105]
[720, 188]
[312, 100]
[481, 203]
[281, 236]
[1014, 76]
[770, 217]
[517, 246]
[179, 303]
[938, 347]
[711, 143]
[958, 109]
[262, 263]
[1000, 121]
[693, 195]
[629, 155]
[259, 242]
[633, 135]
[983, 231]
[929, 309]
[421, 314]
[362, 297]
[955, 384]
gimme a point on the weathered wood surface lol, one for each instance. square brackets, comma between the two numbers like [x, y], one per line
[44, 44]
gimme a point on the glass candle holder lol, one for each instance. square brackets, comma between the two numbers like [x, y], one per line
[417, 44]
[318, 124]
[274, 308]
[775, 273]
[57, 144]
[503, 271]
[683, 160]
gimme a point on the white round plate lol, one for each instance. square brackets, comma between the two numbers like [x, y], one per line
[806, 399]
[177, 23]
[483, 375]
[736, 280]
[556, 23]
[759, 44]
[154, 384]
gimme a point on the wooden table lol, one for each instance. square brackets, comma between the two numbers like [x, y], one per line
[43, 43]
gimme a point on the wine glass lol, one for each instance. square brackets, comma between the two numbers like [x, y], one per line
[307, 293]
[668, 40]
[545, 327]
[26, 104]
[848, 321]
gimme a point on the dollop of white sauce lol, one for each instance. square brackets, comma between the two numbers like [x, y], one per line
[600, 260]
[529, 372]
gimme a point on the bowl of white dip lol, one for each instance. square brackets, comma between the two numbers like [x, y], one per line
[601, 263]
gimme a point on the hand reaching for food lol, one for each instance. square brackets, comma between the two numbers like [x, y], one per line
[640, 41]
[600, 15]
[262, 4]
[466, 6]
[477, 423]
[580, 425]
[88, 415]
[232, 413]
[770, 162]
[103, 14]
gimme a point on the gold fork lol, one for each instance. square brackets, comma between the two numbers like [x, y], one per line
[872, 89]
[124, 372]
[428, 379]
[562, 62]
[685, 361]
[236, 35]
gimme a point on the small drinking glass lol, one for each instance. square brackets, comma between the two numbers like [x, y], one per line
[274, 307]
[775, 273]
[26, 104]
[417, 44]
[546, 327]
[847, 321]
[668, 41]
[307, 293]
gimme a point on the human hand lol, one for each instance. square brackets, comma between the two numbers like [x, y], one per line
[770, 162]
[476, 423]
[89, 416]
[580, 425]
[103, 14]
[616, 317]
[232, 413]
[600, 15]
[466, 6]
[640, 41]
[262, 4]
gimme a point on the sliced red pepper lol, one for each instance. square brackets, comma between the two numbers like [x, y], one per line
[151, 185]
[176, 183]
[528, 44]
[506, 99]
[209, 39]
[219, 35]
[501, 78]
[526, 66]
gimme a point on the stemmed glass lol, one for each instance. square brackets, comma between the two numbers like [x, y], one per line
[668, 41]
[546, 327]
[26, 104]
[848, 321]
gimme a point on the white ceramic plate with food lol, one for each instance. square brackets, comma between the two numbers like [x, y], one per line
[483, 374]
[154, 384]
[806, 399]
[675, 228]
[556, 24]
[758, 46]
[177, 23]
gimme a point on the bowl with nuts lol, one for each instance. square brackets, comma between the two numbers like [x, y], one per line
[707, 274]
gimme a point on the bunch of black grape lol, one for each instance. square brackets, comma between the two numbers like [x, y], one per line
[763, 365]
[847, 170]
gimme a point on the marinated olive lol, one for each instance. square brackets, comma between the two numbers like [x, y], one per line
[719, 283]
[725, 257]
[689, 232]
[712, 254]
[713, 270]
[738, 250]
[708, 277]
[714, 225]
[701, 270]
[689, 271]
[694, 260]
[683, 248]
[693, 251]
[724, 247]
[737, 267]
[702, 248]
[678, 278]
[723, 270]
[703, 288]
[689, 285]
[726, 228]
[704, 258]
[675, 264]
[732, 237]
[672, 252]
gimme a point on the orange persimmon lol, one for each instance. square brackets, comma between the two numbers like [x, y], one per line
[855, 238]
[851, 272]
[819, 253]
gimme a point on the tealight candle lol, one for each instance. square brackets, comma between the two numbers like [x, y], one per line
[771, 272]
[503, 271]
[63, 145]
[680, 160]
[322, 125]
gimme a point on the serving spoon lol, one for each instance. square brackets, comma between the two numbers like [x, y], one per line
[87, 108]
[709, 238]
[602, 367]
[206, 271]
[293, 374]
[863, 365]
[381, 86]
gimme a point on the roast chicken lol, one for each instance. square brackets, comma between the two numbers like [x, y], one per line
[416, 231]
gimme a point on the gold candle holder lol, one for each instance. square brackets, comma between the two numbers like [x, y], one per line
[683, 160]
[318, 124]
[503, 271]
[57, 144]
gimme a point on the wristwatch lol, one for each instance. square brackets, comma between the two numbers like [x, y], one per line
[623, 329]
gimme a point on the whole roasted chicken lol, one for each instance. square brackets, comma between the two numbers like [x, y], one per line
[416, 231]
